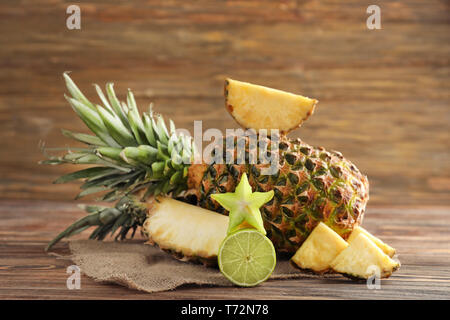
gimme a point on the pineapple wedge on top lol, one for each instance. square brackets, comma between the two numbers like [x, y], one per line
[187, 231]
[319, 249]
[362, 258]
[380, 244]
[257, 107]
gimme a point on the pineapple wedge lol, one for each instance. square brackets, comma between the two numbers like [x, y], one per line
[360, 257]
[319, 249]
[187, 231]
[257, 107]
[380, 244]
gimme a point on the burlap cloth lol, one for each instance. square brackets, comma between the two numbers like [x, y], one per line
[143, 267]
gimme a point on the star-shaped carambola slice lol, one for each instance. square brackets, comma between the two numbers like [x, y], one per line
[243, 206]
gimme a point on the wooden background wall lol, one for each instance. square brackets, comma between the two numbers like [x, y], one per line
[384, 94]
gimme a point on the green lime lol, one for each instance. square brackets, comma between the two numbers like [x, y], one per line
[247, 257]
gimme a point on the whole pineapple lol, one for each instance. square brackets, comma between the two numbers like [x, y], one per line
[311, 185]
[137, 158]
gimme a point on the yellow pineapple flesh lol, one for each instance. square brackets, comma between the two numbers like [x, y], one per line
[380, 244]
[362, 258]
[185, 230]
[319, 249]
[258, 107]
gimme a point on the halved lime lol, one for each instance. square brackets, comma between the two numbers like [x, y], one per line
[247, 257]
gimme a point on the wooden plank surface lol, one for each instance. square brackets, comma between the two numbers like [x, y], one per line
[420, 235]
[384, 94]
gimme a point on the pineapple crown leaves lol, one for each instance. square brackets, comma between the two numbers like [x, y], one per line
[130, 151]
[128, 214]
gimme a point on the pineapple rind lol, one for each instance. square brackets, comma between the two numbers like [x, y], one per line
[311, 185]
[355, 261]
[319, 250]
[185, 230]
[382, 245]
[258, 107]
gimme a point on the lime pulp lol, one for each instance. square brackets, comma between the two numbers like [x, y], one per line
[247, 257]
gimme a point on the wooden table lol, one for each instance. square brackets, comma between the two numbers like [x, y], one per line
[420, 235]
[384, 103]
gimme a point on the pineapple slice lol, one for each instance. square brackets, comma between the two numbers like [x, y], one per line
[380, 244]
[257, 107]
[319, 249]
[187, 231]
[358, 259]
